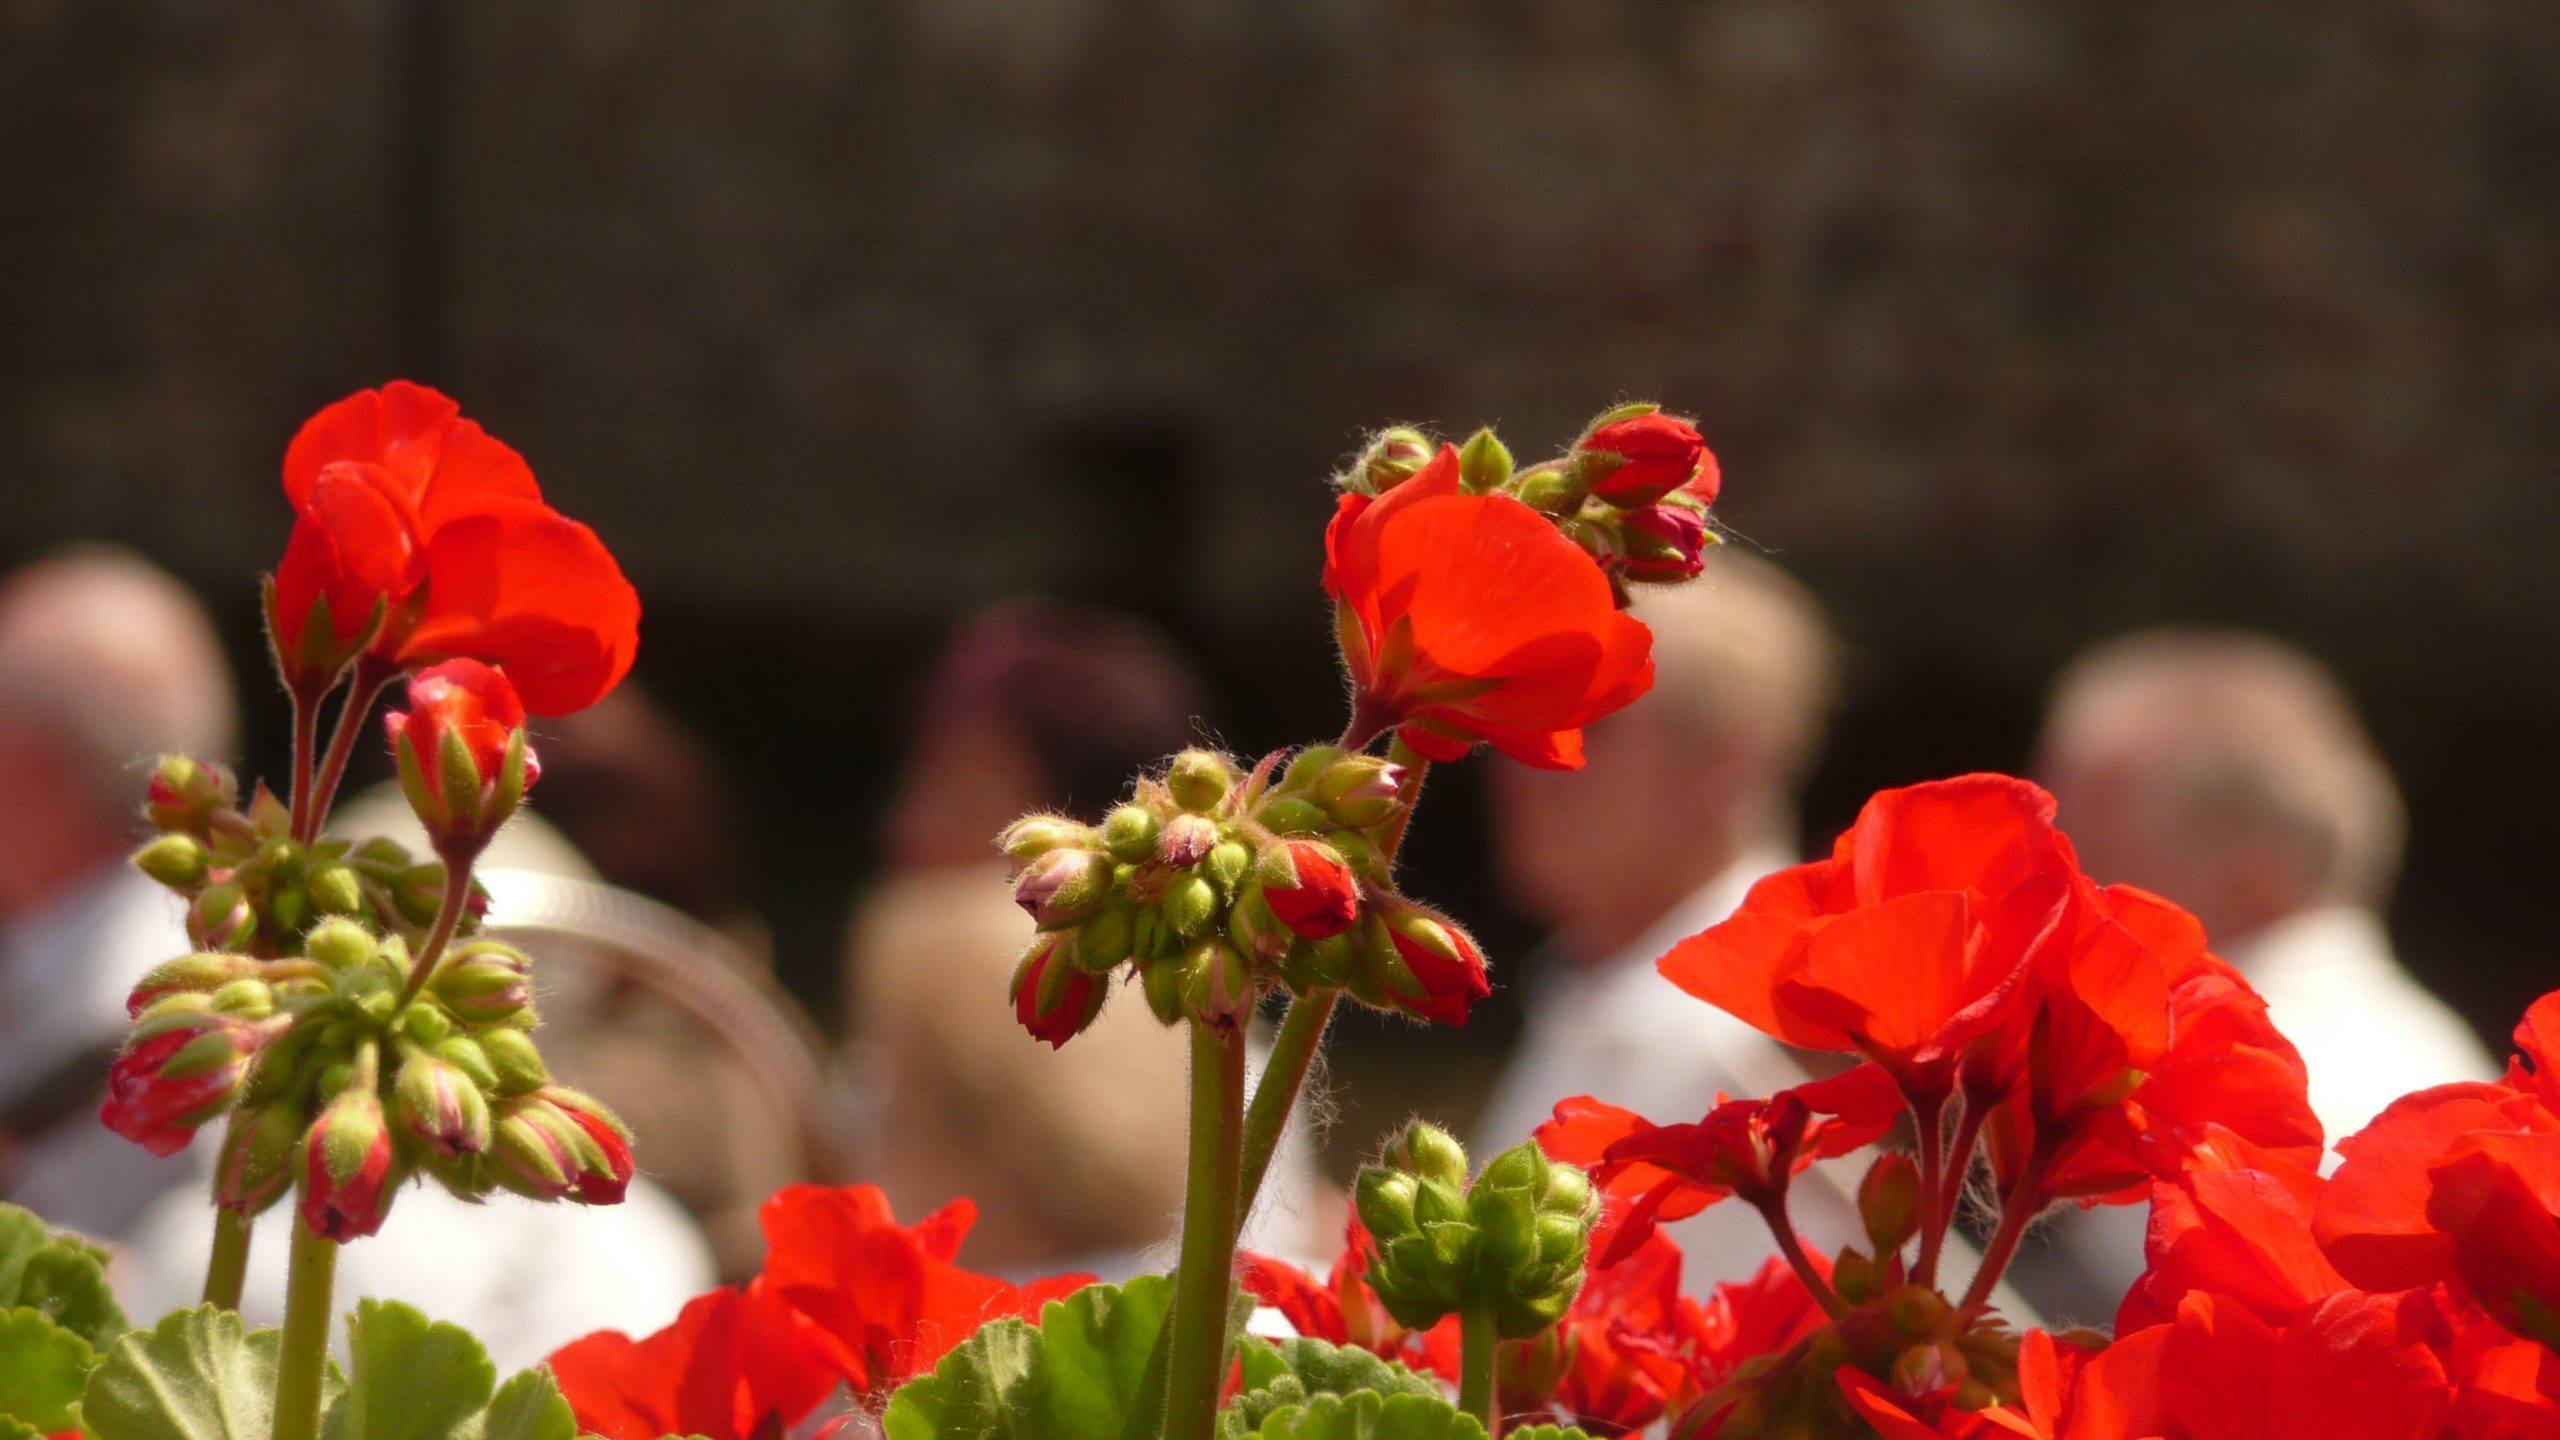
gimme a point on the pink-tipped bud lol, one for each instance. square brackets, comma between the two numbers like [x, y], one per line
[537, 1149]
[602, 1167]
[1064, 887]
[1641, 458]
[1667, 543]
[462, 754]
[1186, 840]
[1447, 970]
[1309, 888]
[439, 1104]
[1389, 459]
[204, 971]
[179, 1071]
[185, 793]
[1359, 790]
[483, 982]
[346, 1167]
[1053, 998]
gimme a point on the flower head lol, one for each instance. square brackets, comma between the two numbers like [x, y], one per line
[1645, 457]
[737, 1364]
[1468, 618]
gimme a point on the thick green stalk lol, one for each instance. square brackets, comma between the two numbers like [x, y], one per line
[303, 1357]
[1476, 1341]
[229, 1265]
[1293, 1052]
[1197, 1362]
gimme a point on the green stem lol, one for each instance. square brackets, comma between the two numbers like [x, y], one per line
[371, 678]
[1293, 1053]
[306, 722]
[457, 896]
[303, 1356]
[229, 1266]
[1197, 1363]
[1476, 1342]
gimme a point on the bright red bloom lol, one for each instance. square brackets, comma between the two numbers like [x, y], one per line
[2240, 1230]
[1910, 942]
[1471, 617]
[404, 504]
[737, 1364]
[2497, 1201]
[1652, 1174]
[1317, 896]
[2355, 1367]
[1057, 1013]
[346, 1167]
[1662, 452]
[468, 699]
[1447, 968]
[1340, 1309]
[886, 1299]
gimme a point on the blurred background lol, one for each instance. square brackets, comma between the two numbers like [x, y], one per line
[2015, 326]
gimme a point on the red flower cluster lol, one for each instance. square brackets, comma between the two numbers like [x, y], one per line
[419, 537]
[1468, 618]
[848, 1297]
[1631, 1350]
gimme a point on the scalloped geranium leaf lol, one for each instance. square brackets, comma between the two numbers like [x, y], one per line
[197, 1375]
[1080, 1375]
[1368, 1415]
[43, 1369]
[408, 1377]
[1282, 1373]
[528, 1407]
[61, 1275]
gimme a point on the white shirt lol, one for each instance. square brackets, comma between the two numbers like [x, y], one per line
[2369, 1033]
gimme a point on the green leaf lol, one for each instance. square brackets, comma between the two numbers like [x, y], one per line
[1546, 1432]
[59, 1274]
[1078, 1376]
[528, 1407]
[1284, 1373]
[1368, 1415]
[197, 1375]
[408, 1378]
[43, 1368]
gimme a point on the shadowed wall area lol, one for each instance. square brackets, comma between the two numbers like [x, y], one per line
[2014, 324]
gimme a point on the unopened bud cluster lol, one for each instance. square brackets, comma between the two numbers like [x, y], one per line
[1215, 885]
[1512, 1242]
[299, 1019]
[1633, 491]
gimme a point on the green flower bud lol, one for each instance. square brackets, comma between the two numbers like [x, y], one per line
[247, 997]
[1484, 462]
[1292, 815]
[1033, 836]
[177, 861]
[334, 890]
[1198, 780]
[222, 918]
[1227, 863]
[1129, 833]
[1063, 887]
[1105, 940]
[1253, 929]
[426, 1025]
[1161, 982]
[1306, 768]
[517, 1064]
[438, 1103]
[202, 972]
[1320, 964]
[483, 982]
[1217, 984]
[1189, 905]
[1427, 1151]
[1523, 1168]
[466, 1055]
[1390, 458]
[1889, 1202]
[340, 944]
[1558, 491]
[1385, 1200]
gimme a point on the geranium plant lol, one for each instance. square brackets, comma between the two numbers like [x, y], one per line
[2014, 1036]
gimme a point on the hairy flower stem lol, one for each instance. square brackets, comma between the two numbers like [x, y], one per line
[229, 1265]
[1934, 1211]
[1960, 1156]
[1774, 1211]
[303, 1355]
[372, 677]
[1197, 1363]
[306, 725]
[1476, 1341]
[2016, 1210]
[1301, 1033]
[457, 896]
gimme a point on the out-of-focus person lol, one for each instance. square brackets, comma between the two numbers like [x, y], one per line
[2229, 772]
[1682, 803]
[1072, 1155]
[105, 663]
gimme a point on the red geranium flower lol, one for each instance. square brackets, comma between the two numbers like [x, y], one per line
[737, 1364]
[1910, 942]
[1652, 1174]
[887, 1300]
[403, 504]
[1470, 617]
[2239, 1229]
